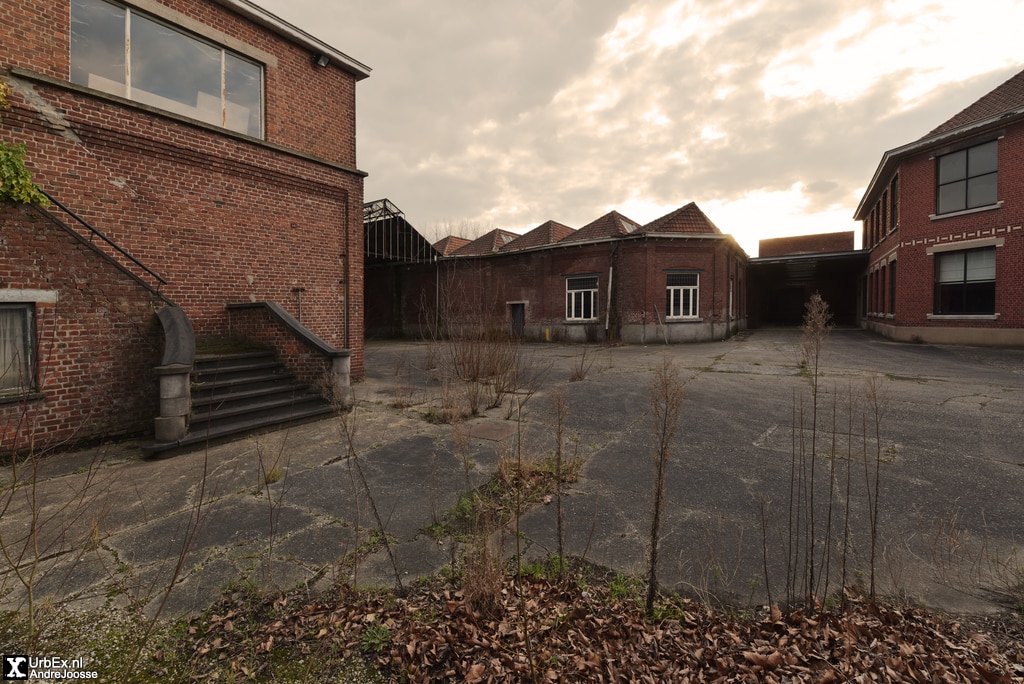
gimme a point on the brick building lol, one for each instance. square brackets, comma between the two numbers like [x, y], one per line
[788, 271]
[675, 279]
[203, 157]
[943, 217]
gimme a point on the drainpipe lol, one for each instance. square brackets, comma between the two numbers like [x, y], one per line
[608, 310]
[714, 288]
[344, 255]
[297, 291]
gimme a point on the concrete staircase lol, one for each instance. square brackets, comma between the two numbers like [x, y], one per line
[238, 394]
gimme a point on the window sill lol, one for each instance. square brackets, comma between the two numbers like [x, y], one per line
[963, 317]
[687, 319]
[580, 321]
[962, 212]
[21, 398]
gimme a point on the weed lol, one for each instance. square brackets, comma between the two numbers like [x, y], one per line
[375, 639]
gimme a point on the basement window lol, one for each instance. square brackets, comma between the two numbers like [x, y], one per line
[17, 350]
[121, 51]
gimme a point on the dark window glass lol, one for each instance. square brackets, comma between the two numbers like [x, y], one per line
[968, 178]
[965, 282]
[161, 66]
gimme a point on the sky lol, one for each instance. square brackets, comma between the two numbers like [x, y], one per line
[771, 115]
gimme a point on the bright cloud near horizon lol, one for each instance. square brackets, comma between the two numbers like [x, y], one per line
[771, 115]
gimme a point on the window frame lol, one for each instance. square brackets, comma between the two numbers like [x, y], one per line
[579, 290]
[891, 311]
[947, 177]
[962, 290]
[255, 125]
[674, 304]
[27, 376]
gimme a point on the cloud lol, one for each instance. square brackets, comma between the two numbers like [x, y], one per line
[510, 114]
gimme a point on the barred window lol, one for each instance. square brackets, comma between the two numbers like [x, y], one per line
[581, 298]
[682, 294]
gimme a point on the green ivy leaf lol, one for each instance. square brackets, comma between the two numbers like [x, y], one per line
[16, 180]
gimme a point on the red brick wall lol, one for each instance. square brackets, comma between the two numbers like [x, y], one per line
[97, 344]
[308, 363]
[221, 217]
[480, 289]
[917, 232]
[308, 108]
[804, 244]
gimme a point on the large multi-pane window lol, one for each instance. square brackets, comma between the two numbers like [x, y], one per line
[965, 281]
[124, 52]
[581, 298]
[682, 295]
[16, 349]
[967, 178]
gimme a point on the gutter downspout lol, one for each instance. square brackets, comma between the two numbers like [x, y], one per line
[714, 290]
[344, 255]
[608, 311]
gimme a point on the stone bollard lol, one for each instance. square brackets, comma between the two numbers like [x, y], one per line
[175, 402]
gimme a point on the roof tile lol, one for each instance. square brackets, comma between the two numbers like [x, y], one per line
[546, 233]
[685, 219]
[1006, 97]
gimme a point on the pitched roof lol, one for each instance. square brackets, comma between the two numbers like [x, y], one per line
[685, 219]
[1004, 98]
[487, 243]
[1001, 106]
[612, 224]
[546, 233]
[449, 244]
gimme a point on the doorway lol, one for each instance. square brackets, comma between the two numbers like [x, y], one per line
[517, 319]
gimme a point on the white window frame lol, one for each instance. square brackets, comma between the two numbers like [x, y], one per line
[682, 295]
[581, 292]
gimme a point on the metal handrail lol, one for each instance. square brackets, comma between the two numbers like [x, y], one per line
[103, 237]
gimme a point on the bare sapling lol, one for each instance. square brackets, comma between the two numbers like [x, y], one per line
[201, 503]
[348, 425]
[816, 327]
[519, 485]
[273, 469]
[51, 525]
[849, 482]
[666, 396]
[560, 414]
[877, 402]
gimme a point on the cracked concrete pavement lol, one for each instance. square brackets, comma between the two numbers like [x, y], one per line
[112, 527]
